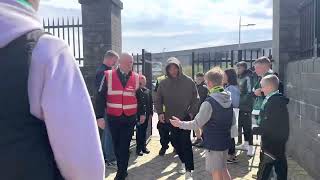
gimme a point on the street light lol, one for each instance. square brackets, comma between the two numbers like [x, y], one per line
[163, 50]
[242, 25]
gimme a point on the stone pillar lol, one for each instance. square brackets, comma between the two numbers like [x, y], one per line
[101, 21]
[286, 33]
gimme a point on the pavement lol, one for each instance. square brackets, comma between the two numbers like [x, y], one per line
[152, 167]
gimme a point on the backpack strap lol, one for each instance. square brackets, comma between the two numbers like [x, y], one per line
[27, 42]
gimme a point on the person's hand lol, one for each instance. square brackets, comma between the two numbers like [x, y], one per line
[101, 123]
[175, 121]
[161, 118]
[142, 119]
[258, 92]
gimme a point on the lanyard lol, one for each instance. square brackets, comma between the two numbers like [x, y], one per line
[268, 97]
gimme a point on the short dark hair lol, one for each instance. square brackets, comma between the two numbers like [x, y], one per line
[263, 60]
[111, 54]
[232, 77]
[199, 74]
[242, 64]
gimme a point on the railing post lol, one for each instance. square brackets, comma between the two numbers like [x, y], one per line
[192, 66]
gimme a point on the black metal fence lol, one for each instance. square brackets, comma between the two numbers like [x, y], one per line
[309, 28]
[143, 65]
[70, 30]
[202, 62]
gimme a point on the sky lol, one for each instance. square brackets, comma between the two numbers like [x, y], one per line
[169, 25]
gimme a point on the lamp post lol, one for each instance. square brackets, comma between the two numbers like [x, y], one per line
[242, 25]
[163, 51]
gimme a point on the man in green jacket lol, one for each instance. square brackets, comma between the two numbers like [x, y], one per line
[163, 128]
[179, 95]
[245, 106]
[262, 68]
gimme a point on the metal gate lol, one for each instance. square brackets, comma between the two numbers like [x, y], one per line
[203, 62]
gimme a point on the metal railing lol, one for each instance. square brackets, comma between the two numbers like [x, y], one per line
[309, 12]
[202, 62]
[69, 30]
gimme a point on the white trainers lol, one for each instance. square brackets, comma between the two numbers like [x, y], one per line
[182, 169]
[188, 175]
[243, 147]
[251, 151]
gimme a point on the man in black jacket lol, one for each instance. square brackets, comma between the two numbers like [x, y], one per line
[145, 107]
[110, 59]
[274, 130]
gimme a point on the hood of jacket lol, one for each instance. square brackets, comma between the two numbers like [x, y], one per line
[175, 61]
[223, 98]
[16, 19]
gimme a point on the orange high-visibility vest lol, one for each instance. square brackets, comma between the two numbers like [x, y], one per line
[121, 100]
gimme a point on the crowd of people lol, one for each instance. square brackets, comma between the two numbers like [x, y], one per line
[50, 130]
[217, 105]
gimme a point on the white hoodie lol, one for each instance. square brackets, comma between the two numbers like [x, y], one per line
[58, 96]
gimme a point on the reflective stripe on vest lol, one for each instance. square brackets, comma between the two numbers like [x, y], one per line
[121, 100]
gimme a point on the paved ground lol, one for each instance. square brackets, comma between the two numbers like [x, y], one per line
[152, 167]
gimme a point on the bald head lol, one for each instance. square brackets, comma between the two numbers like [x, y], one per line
[142, 81]
[126, 62]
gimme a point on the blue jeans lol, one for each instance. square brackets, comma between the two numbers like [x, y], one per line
[107, 144]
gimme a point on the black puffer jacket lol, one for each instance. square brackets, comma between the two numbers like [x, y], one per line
[274, 127]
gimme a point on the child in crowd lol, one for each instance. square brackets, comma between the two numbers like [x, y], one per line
[203, 93]
[215, 117]
[274, 130]
[231, 85]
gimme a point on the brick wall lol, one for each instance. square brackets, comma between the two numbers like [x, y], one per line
[302, 81]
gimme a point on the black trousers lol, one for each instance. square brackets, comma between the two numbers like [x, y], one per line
[121, 131]
[182, 143]
[101, 140]
[141, 135]
[245, 122]
[266, 164]
[164, 132]
[232, 149]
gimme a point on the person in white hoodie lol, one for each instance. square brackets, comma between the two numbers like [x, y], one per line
[48, 128]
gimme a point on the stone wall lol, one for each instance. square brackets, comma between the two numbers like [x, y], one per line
[101, 32]
[303, 88]
[302, 84]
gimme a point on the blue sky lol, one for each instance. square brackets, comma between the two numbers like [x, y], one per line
[181, 24]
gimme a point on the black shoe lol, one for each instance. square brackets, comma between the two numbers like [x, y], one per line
[162, 152]
[139, 153]
[146, 151]
[121, 176]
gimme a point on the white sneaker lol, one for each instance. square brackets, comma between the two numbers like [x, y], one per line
[188, 175]
[251, 151]
[243, 147]
[182, 169]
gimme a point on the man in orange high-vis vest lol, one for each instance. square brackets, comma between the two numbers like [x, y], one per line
[117, 97]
